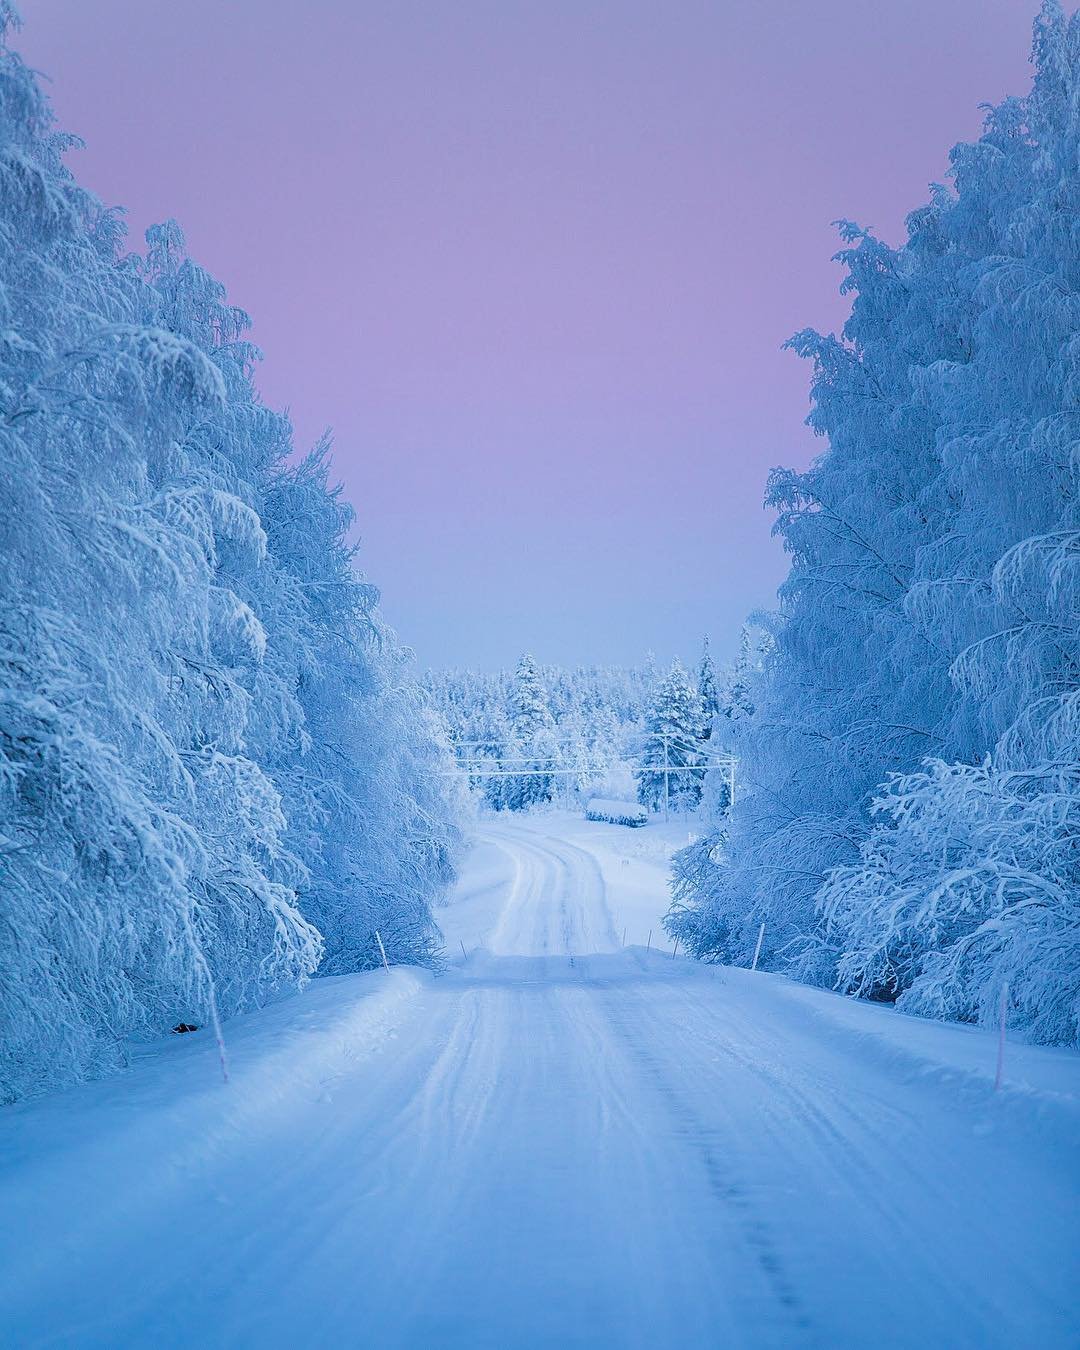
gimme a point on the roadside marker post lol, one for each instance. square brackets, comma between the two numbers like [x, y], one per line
[219, 1037]
[382, 949]
[1001, 1035]
[757, 949]
[215, 1020]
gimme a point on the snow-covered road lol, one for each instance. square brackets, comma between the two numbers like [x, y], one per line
[563, 1141]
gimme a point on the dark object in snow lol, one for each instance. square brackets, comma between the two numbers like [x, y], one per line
[184, 1026]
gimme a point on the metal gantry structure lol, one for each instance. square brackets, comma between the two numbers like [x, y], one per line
[475, 761]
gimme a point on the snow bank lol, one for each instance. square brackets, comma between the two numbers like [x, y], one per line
[172, 1108]
[1040, 1085]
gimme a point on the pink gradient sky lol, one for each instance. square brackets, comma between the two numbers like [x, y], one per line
[534, 263]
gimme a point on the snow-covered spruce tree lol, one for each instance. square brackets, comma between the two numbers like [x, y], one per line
[487, 736]
[170, 769]
[707, 692]
[597, 715]
[465, 696]
[693, 868]
[932, 609]
[737, 701]
[529, 711]
[672, 739]
[603, 741]
[532, 747]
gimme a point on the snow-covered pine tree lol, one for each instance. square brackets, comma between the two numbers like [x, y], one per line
[604, 747]
[707, 691]
[532, 746]
[529, 711]
[736, 701]
[693, 868]
[488, 736]
[673, 740]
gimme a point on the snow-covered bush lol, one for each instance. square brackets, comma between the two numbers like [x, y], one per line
[205, 730]
[932, 611]
[971, 884]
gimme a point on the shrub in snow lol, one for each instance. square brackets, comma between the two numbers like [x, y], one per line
[971, 882]
[616, 813]
[932, 611]
[213, 771]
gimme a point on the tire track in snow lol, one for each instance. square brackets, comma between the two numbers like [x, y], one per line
[629, 1152]
[571, 885]
[712, 1147]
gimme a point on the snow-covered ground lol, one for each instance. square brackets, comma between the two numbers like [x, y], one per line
[563, 1141]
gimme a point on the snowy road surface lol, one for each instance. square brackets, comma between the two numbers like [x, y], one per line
[561, 1142]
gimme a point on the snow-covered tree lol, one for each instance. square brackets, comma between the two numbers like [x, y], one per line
[596, 723]
[213, 772]
[736, 701]
[707, 691]
[487, 738]
[672, 740]
[926, 653]
[693, 868]
[971, 884]
[532, 747]
[529, 711]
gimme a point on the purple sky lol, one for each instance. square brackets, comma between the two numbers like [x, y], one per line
[533, 263]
